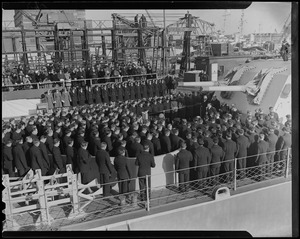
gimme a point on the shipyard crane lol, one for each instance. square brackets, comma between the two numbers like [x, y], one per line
[198, 26]
[35, 21]
[70, 23]
[150, 18]
[286, 29]
[142, 39]
[132, 24]
[190, 24]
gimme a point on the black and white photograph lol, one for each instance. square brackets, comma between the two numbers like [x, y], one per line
[150, 117]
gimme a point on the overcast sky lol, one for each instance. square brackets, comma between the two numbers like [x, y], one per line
[269, 15]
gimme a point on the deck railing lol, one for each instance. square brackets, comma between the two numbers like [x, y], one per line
[75, 82]
[37, 202]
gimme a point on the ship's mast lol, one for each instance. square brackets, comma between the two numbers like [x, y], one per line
[242, 21]
[225, 16]
[259, 31]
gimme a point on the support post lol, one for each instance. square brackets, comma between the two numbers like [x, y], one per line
[73, 189]
[37, 43]
[86, 44]
[164, 44]
[103, 45]
[154, 51]
[147, 194]
[234, 174]
[6, 200]
[45, 217]
[56, 43]
[113, 42]
[14, 48]
[189, 24]
[287, 163]
[163, 55]
[123, 46]
[25, 56]
[71, 46]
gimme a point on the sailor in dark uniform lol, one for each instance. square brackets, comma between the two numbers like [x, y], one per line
[156, 144]
[126, 91]
[182, 164]
[7, 160]
[230, 150]
[202, 157]
[19, 158]
[217, 154]
[104, 94]
[74, 96]
[138, 90]
[71, 155]
[89, 95]
[242, 145]
[261, 159]
[59, 161]
[165, 141]
[175, 140]
[112, 93]
[26, 146]
[284, 144]
[144, 89]
[81, 96]
[37, 158]
[97, 95]
[106, 168]
[132, 91]
[120, 92]
[88, 167]
[145, 161]
[204, 103]
[123, 171]
[46, 158]
[272, 139]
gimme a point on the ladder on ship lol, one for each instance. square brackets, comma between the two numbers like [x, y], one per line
[208, 49]
[155, 51]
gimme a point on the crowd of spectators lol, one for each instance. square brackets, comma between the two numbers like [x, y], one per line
[28, 78]
[158, 124]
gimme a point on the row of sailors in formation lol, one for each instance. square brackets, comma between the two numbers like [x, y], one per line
[105, 93]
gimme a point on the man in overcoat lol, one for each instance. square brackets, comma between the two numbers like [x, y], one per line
[145, 161]
[182, 164]
[123, 171]
[106, 168]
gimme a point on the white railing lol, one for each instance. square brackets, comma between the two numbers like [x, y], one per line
[51, 198]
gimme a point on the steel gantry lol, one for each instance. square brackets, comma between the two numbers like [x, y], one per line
[190, 26]
[130, 36]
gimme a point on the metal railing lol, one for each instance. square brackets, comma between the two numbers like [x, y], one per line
[75, 82]
[75, 204]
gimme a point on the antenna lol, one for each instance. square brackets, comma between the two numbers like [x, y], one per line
[259, 31]
[225, 15]
[242, 23]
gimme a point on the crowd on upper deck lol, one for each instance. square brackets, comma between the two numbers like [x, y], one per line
[27, 78]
